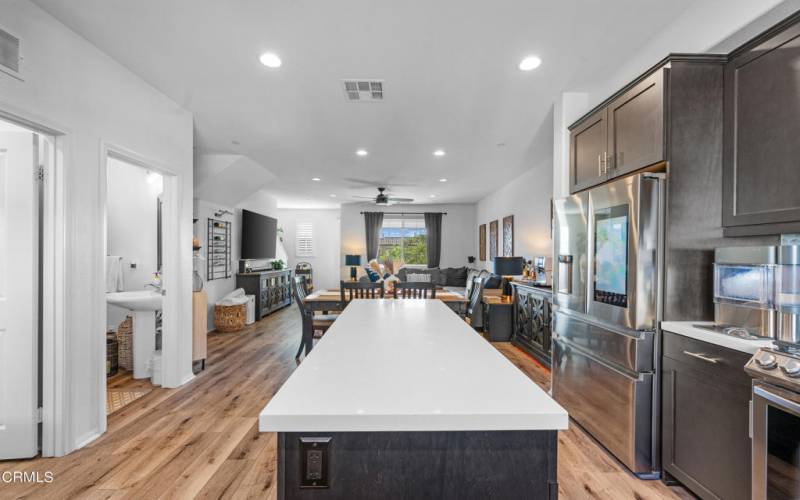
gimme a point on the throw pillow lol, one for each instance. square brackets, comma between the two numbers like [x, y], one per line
[419, 277]
[457, 276]
[372, 275]
[493, 281]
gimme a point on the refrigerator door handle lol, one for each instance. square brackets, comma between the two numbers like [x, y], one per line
[565, 274]
[634, 376]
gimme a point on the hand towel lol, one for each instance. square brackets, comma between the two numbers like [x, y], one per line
[114, 274]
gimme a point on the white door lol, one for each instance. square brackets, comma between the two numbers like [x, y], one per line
[19, 263]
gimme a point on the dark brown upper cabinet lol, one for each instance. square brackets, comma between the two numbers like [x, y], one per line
[624, 135]
[588, 147]
[761, 144]
[636, 126]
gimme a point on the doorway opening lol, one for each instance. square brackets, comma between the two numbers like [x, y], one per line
[134, 300]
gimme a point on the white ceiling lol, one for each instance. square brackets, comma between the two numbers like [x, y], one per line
[450, 71]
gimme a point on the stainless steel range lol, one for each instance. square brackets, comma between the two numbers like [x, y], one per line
[776, 390]
[776, 423]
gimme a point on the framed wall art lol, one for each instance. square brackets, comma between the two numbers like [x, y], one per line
[492, 240]
[482, 242]
[508, 236]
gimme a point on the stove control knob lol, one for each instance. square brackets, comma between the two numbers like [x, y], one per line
[766, 360]
[792, 368]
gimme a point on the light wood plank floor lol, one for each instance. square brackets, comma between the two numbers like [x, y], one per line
[122, 389]
[202, 440]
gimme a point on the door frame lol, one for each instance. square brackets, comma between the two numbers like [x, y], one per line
[171, 313]
[56, 437]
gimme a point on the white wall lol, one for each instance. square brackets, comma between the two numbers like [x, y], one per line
[527, 198]
[71, 86]
[326, 231]
[566, 110]
[131, 225]
[459, 233]
[216, 289]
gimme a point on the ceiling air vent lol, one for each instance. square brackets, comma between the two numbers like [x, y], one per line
[363, 90]
[9, 54]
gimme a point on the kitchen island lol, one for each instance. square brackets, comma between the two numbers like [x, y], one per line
[401, 398]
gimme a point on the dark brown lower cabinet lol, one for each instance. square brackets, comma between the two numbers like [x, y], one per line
[533, 318]
[705, 418]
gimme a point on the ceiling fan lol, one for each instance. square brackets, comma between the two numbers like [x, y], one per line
[385, 199]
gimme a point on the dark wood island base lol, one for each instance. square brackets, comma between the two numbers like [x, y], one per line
[456, 465]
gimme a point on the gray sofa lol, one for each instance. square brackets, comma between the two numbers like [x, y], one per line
[452, 277]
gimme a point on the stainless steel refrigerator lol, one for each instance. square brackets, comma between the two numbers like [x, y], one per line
[607, 294]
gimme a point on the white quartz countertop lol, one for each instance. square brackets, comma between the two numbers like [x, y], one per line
[407, 365]
[688, 329]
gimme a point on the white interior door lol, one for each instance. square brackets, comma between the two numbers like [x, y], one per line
[19, 261]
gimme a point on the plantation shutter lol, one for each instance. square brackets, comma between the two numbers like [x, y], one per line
[305, 239]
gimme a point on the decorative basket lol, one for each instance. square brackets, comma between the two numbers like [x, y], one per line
[125, 343]
[112, 354]
[229, 318]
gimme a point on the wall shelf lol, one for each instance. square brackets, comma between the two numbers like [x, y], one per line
[218, 259]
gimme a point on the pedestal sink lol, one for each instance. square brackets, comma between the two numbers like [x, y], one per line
[143, 304]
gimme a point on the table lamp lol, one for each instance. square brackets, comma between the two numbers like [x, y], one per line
[508, 267]
[353, 261]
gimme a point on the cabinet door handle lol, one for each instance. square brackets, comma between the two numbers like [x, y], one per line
[702, 357]
[599, 164]
[606, 157]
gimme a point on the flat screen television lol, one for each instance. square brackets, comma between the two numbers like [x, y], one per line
[258, 236]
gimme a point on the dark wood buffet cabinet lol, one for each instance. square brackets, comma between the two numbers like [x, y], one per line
[532, 320]
[272, 289]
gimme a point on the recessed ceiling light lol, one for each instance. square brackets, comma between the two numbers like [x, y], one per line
[442, 180]
[362, 152]
[432, 196]
[439, 152]
[270, 60]
[529, 63]
[333, 195]
[316, 179]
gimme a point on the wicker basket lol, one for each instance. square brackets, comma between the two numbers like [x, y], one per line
[229, 318]
[125, 343]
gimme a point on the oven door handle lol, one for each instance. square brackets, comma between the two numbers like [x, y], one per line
[776, 399]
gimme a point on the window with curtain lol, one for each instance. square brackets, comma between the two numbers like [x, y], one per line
[403, 240]
[304, 239]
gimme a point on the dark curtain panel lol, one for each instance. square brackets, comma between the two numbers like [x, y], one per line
[372, 225]
[433, 226]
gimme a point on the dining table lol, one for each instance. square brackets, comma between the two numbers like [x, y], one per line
[331, 300]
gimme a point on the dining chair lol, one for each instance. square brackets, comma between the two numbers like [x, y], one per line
[350, 290]
[471, 275]
[474, 315]
[414, 290]
[310, 322]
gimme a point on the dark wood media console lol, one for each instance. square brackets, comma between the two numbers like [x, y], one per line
[273, 289]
